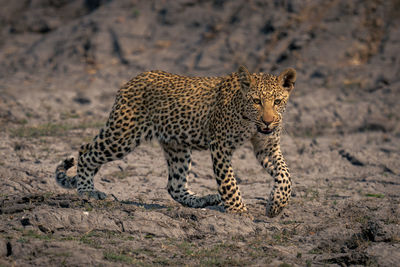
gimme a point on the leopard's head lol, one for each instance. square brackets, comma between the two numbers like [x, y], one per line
[265, 97]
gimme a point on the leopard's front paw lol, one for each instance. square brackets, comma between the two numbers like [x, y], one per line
[277, 201]
[241, 208]
[241, 211]
[93, 194]
[273, 209]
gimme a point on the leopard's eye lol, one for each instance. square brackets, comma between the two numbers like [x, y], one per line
[277, 102]
[257, 101]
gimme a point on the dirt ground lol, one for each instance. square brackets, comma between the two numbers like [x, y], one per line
[61, 63]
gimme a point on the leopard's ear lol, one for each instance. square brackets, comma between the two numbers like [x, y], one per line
[287, 79]
[244, 78]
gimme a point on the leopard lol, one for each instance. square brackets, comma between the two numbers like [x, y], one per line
[188, 113]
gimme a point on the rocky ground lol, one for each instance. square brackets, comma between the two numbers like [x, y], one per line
[61, 63]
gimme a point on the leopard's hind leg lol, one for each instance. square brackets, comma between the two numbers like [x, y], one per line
[179, 163]
[123, 132]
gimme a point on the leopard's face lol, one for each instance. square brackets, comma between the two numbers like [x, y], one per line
[266, 97]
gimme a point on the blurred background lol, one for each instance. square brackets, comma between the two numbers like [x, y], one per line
[346, 53]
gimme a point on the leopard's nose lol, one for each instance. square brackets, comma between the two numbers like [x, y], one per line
[267, 123]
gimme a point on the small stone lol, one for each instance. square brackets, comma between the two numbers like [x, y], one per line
[82, 100]
[25, 221]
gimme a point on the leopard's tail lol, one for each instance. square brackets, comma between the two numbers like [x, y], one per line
[62, 178]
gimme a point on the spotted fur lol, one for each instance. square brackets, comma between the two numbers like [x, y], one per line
[194, 113]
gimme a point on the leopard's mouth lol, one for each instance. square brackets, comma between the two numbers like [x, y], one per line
[264, 130]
